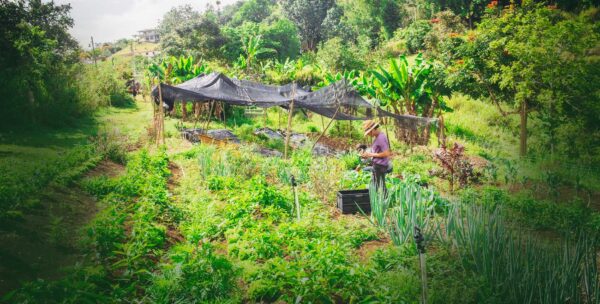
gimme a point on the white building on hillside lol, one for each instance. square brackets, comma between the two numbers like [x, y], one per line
[149, 35]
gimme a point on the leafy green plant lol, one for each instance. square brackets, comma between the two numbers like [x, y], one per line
[193, 274]
[355, 180]
[351, 160]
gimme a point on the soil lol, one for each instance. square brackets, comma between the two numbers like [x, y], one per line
[42, 242]
[107, 168]
[176, 174]
[367, 248]
[335, 143]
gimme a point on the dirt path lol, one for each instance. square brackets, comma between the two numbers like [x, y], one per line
[45, 240]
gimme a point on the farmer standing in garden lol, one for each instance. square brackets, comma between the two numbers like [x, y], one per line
[380, 152]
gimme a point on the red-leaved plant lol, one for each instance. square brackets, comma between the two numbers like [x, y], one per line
[455, 166]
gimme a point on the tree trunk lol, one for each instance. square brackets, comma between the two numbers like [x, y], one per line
[523, 139]
[32, 106]
[184, 110]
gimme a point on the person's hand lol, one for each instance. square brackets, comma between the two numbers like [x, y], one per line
[365, 155]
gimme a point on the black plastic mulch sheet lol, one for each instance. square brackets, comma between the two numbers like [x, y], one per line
[339, 101]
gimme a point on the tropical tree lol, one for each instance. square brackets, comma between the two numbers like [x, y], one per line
[531, 61]
[308, 15]
[186, 32]
[39, 64]
[253, 11]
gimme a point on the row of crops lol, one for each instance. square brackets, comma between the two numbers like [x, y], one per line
[224, 230]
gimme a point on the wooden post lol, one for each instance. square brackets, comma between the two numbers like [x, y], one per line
[279, 118]
[210, 109]
[265, 116]
[523, 131]
[289, 124]
[331, 121]
[224, 114]
[160, 130]
[94, 52]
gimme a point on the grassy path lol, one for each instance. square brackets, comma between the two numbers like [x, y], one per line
[42, 205]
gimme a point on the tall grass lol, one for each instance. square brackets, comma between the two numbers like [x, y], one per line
[518, 267]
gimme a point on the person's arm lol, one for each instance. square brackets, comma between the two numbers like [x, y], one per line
[386, 153]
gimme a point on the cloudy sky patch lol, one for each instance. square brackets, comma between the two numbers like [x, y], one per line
[109, 20]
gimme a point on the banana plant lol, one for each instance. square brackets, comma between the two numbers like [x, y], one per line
[184, 69]
[403, 86]
[329, 78]
[253, 47]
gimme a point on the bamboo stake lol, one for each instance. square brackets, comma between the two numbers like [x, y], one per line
[210, 109]
[265, 117]
[331, 121]
[279, 118]
[289, 123]
[224, 114]
[160, 136]
[324, 130]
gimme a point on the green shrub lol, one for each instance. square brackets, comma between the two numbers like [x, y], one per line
[106, 231]
[192, 275]
[415, 35]
[257, 243]
[337, 55]
[221, 183]
[323, 272]
[99, 186]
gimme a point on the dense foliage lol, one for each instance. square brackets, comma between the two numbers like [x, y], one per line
[42, 79]
[219, 224]
[536, 60]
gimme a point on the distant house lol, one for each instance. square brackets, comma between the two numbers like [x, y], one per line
[149, 35]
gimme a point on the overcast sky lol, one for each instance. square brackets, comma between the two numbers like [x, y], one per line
[109, 20]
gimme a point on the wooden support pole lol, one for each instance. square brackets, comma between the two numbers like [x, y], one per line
[210, 109]
[224, 114]
[279, 118]
[289, 127]
[325, 129]
[160, 135]
[265, 116]
[331, 121]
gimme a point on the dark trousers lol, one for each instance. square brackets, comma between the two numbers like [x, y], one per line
[379, 173]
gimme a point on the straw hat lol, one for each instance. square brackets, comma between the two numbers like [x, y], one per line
[369, 125]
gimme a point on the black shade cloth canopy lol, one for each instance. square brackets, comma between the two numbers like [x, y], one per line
[336, 101]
